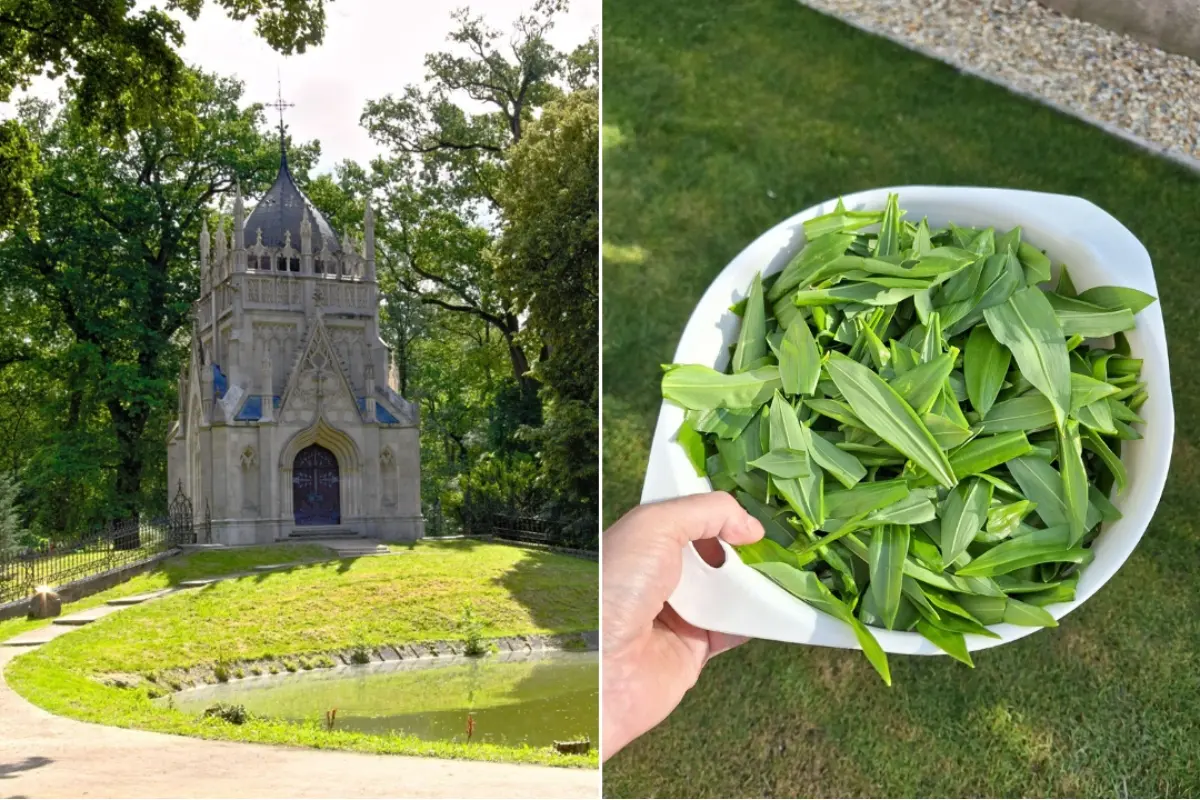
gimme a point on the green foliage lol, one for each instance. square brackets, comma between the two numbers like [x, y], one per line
[121, 66]
[103, 285]
[550, 196]
[233, 714]
[471, 627]
[11, 530]
[361, 654]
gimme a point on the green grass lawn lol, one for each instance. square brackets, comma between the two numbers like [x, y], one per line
[172, 571]
[721, 119]
[338, 605]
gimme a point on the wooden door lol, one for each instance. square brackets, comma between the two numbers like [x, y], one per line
[316, 487]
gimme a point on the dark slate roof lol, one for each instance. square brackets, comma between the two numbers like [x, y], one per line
[281, 209]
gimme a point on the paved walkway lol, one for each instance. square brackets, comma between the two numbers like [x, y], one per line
[45, 756]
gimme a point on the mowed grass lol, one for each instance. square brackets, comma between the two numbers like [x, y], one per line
[721, 119]
[336, 605]
[172, 571]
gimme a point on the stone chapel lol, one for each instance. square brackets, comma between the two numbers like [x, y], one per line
[289, 424]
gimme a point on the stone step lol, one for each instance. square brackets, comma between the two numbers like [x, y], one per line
[134, 600]
[322, 532]
[86, 617]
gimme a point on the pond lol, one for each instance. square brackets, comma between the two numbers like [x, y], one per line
[533, 699]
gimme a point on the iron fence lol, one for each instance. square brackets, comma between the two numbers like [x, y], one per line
[117, 545]
[577, 535]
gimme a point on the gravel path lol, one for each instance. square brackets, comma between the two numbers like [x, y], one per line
[1126, 86]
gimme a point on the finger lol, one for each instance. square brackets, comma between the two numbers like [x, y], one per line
[702, 516]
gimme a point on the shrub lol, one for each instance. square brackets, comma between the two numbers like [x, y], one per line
[221, 672]
[290, 666]
[472, 630]
[233, 714]
[360, 655]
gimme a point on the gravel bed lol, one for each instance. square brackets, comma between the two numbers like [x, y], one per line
[1120, 83]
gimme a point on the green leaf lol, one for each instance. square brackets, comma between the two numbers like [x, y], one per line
[984, 453]
[985, 364]
[1094, 442]
[1019, 613]
[888, 241]
[839, 222]
[1086, 390]
[692, 444]
[920, 385]
[949, 642]
[1004, 520]
[1029, 412]
[1026, 325]
[799, 360]
[1117, 297]
[815, 254]
[768, 550]
[804, 494]
[1074, 479]
[695, 387]
[889, 546]
[843, 466]
[963, 515]
[752, 336]
[1084, 319]
[770, 517]
[808, 587]
[783, 463]
[725, 423]
[870, 294]
[1050, 545]
[1042, 484]
[1035, 263]
[988, 610]
[864, 498]
[888, 416]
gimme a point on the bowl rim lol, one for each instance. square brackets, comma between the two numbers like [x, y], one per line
[1073, 219]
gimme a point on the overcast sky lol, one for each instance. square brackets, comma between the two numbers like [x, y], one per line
[372, 48]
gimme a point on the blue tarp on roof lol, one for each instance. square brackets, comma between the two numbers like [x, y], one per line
[252, 408]
[382, 414]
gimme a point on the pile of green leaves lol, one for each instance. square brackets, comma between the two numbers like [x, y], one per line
[928, 436]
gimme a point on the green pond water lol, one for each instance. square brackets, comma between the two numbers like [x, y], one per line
[533, 699]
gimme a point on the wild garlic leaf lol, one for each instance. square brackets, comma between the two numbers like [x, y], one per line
[920, 385]
[1074, 479]
[963, 515]
[1042, 484]
[985, 365]
[692, 444]
[1040, 546]
[1035, 263]
[1020, 613]
[799, 360]
[888, 549]
[696, 387]
[1026, 325]
[950, 642]
[782, 463]
[843, 466]
[752, 336]
[808, 587]
[1028, 413]
[1117, 297]
[888, 416]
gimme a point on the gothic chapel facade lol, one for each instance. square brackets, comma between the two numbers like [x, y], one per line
[287, 423]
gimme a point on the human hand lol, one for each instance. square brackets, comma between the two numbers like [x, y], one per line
[651, 655]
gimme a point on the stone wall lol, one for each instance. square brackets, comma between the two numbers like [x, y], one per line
[1173, 25]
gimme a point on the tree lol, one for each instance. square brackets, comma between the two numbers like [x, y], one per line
[113, 260]
[120, 65]
[439, 186]
[550, 200]
[11, 529]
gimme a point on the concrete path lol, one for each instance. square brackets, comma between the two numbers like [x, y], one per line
[45, 756]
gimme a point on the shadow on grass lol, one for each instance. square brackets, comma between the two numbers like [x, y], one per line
[560, 592]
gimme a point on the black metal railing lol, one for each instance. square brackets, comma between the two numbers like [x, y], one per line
[524, 529]
[117, 545]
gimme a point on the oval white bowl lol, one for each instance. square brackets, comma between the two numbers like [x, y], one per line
[1097, 248]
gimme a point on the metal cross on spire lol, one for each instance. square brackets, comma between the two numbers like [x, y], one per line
[280, 105]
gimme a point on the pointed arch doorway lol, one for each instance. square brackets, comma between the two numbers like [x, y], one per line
[316, 487]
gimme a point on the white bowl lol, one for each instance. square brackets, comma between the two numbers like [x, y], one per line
[1099, 250]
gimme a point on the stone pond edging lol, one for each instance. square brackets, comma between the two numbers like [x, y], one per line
[162, 682]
